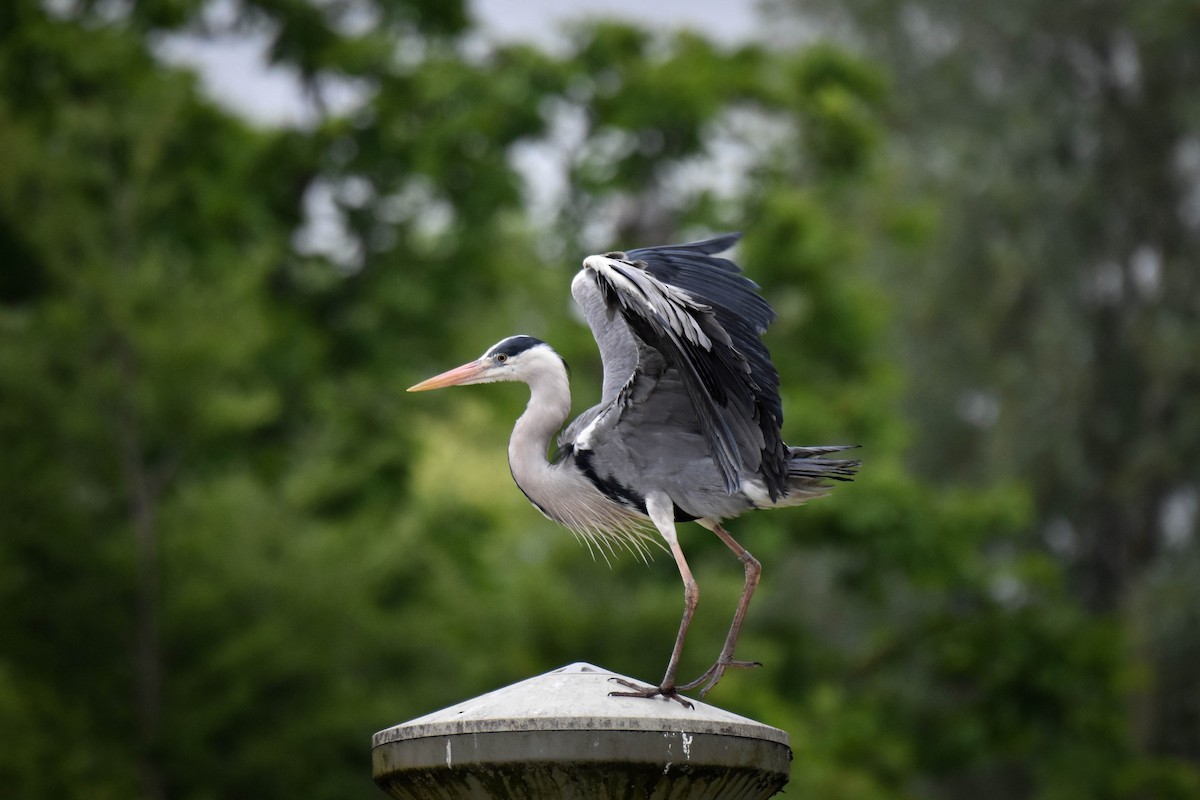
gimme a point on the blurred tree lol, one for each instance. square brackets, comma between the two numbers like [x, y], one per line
[1053, 327]
[136, 321]
[212, 494]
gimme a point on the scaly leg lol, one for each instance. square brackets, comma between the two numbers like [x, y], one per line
[662, 512]
[753, 571]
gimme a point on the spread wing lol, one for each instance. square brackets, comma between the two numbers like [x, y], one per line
[682, 307]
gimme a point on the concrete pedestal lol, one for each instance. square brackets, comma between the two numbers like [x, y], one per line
[559, 735]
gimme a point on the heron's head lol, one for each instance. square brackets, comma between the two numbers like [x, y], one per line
[517, 358]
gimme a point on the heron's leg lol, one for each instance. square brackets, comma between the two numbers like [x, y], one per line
[753, 571]
[662, 512]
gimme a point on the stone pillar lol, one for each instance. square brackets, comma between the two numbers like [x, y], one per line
[559, 735]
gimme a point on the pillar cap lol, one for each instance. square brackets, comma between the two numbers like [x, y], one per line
[559, 736]
[575, 697]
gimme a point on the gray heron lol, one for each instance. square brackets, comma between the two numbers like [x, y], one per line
[688, 424]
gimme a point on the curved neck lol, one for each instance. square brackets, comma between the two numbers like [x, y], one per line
[549, 404]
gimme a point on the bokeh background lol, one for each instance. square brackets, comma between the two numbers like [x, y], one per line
[232, 547]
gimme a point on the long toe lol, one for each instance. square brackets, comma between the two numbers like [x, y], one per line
[638, 690]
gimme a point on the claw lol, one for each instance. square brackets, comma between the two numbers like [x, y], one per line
[670, 692]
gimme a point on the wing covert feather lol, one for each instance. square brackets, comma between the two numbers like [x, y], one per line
[681, 305]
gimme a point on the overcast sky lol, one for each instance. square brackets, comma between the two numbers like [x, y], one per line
[725, 20]
[235, 72]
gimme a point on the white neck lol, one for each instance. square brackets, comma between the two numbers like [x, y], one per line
[549, 404]
[560, 490]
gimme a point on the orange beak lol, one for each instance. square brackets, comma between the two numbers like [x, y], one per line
[459, 376]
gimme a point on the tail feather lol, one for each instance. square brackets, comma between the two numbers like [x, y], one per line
[807, 467]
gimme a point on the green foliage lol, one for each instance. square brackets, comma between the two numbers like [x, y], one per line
[1051, 326]
[232, 548]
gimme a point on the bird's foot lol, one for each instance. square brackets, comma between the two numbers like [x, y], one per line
[714, 673]
[637, 690]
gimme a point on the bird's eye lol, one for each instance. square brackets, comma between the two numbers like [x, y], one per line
[501, 358]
